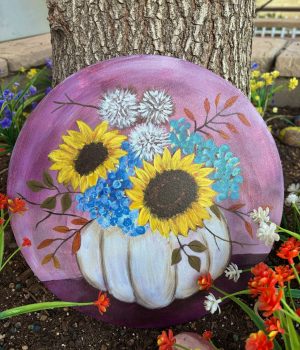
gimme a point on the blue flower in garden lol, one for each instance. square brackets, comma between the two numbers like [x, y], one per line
[227, 175]
[5, 123]
[107, 201]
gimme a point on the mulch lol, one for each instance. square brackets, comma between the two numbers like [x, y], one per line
[69, 329]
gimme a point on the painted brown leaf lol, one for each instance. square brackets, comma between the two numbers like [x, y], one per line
[45, 243]
[49, 203]
[243, 119]
[76, 243]
[46, 259]
[176, 256]
[216, 211]
[249, 228]
[224, 135]
[56, 262]
[236, 207]
[194, 262]
[206, 105]
[231, 101]
[61, 229]
[217, 100]
[189, 114]
[232, 128]
[47, 179]
[66, 202]
[79, 221]
[35, 186]
[197, 246]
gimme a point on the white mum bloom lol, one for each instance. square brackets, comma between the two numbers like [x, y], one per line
[232, 272]
[267, 234]
[211, 304]
[292, 198]
[156, 106]
[147, 140]
[119, 107]
[260, 215]
[294, 188]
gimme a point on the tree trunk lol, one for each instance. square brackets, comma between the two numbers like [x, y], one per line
[215, 34]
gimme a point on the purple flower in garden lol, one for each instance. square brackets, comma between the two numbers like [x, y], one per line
[49, 88]
[32, 90]
[5, 123]
[254, 65]
[33, 105]
[49, 63]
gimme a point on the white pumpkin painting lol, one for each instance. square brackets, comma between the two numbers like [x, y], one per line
[139, 178]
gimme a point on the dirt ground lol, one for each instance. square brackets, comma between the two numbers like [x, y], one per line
[69, 329]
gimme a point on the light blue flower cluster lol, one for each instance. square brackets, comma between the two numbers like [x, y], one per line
[227, 172]
[107, 201]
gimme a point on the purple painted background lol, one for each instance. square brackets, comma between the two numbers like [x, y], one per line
[189, 85]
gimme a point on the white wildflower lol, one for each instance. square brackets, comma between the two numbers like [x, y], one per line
[211, 304]
[156, 106]
[119, 107]
[260, 215]
[292, 198]
[232, 272]
[147, 140]
[267, 234]
[294, 188]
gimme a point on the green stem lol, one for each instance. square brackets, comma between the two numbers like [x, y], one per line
[291, 233]
[178, 346]
[290, 311]
[290, 295]
[227, 295]
[38, 307]
[296, 273]
[9, 258]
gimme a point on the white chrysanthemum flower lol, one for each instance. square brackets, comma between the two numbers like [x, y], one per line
[119, 107]
[232, 272]
[260, 215]
[211, 304]
[292, 198]
[156, 106]
[147, 140]
[267, 234]
[294, 188]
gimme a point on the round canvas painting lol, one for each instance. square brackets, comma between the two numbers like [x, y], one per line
[139, 174]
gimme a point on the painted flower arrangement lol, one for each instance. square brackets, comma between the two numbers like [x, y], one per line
[142, 179]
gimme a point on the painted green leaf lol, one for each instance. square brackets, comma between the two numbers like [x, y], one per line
[49, 203]
[47, 179]
[176, 256]
[197, 246]
[66, 202]
[194, 262]
[35, 186]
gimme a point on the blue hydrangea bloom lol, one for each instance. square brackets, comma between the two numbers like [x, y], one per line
[107, 202]
[227, 175]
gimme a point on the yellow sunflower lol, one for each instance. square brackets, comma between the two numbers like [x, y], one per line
[87, 155]
[172, 194]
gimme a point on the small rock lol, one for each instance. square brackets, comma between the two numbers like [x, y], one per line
[18, 286]
[6, 324]
[18, 325]
[290, 136]
[11, 286]
[103, 347]
[43, 318]
[24, 347]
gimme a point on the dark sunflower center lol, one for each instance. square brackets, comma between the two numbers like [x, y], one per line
[90, 157]
[170, 193]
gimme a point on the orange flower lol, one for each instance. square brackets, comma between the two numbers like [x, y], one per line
[273, 327]
[26, 242]
[3, 201]
[17, 205]
[284, 273]
[102, 302]
[2, 221]
[298, 311]
[289, 250]
[207, 335]
[205, 282]
[264, 278]
[259, 341]
[269, 301]
[166, 341]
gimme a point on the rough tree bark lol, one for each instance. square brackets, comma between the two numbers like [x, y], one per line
[214, 33]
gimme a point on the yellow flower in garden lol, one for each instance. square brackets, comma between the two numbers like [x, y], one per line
[257, 98]
[293, 83]
[31, 73]
[172, 194]
[87, 155]
[22, 69]
[275, 110]
[255, 74]
[260, 110]
[260, 84]
[275, 74]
